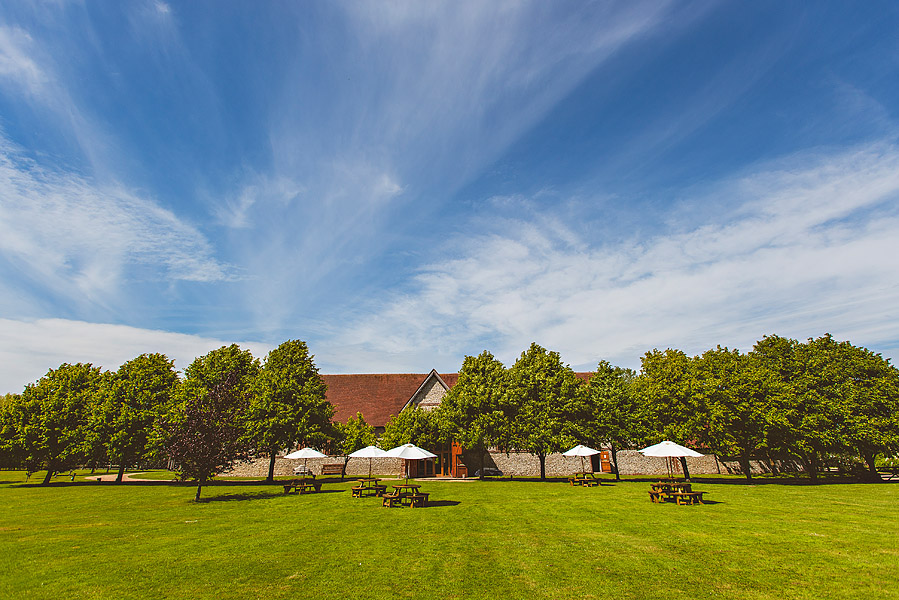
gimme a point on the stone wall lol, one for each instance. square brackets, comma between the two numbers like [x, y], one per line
[356, 467]
[515, 464]
[430, 396]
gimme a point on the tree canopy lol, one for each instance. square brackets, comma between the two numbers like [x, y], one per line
[288, 406]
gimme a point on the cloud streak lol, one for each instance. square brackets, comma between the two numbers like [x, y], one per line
[806, 250]
[63, 232]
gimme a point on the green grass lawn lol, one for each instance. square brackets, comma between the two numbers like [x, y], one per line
[493, 539]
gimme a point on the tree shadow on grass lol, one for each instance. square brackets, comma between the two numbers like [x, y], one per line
[442, 503]
[235, 497]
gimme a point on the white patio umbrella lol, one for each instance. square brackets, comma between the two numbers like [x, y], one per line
[582, 451]
[409, 452]
[305, 454]
[668, 449]
[368, 452]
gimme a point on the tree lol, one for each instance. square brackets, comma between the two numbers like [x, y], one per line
[354, 435]
[664, 385]
[205, 435]
[737, 400]
[858, 393]
[289, 404]
[544, 394]
[10, 452]
[808, 424]
[51, 424]
[871, 392]
[204, 430]
[411, 426]
[614, 415]
[473, 412]
[130, 401]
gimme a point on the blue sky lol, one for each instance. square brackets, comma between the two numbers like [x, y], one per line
[404, 183]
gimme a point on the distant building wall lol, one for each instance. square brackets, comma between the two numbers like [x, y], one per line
[515, 464]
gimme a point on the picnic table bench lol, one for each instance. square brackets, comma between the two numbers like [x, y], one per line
[302, 486]
[659, 495]
[888, 473]
[582, 479]
[359, 490]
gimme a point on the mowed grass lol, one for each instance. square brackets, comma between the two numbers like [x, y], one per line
[491, 539]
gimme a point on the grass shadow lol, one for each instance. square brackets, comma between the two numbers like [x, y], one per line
[442, 503]
[239, 497]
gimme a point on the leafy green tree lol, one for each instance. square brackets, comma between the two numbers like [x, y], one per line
[614, 415]
[203, 431]
[871, 392]
[474, 412]
[412, 426]
[737, 400]
[544, 394]
[858, 392]
[52, 423]
[289, 404]
[354, 435]
[10, 452]
[809, 423]
[130, 402]
[664, 386]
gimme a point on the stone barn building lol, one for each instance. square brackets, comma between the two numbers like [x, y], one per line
[380, 396]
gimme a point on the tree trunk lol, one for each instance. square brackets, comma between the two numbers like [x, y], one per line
[615, 461]
[48, 476]
[744, 464]
[271, 466]
[199, 487]
[683, 464]
[121, 473]
[871, 460]
[346, 461]
[542, 458]
[810, 464]
[481, 470]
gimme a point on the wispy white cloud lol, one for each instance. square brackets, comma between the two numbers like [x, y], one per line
[421, 99]
[80, 240]
[29, 348]
[807, 249]
[17, 67]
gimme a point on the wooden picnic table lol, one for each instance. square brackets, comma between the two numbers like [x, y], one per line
[585, 479]
[405, 494]
[302, 486]
[368, 486]
[666, 486]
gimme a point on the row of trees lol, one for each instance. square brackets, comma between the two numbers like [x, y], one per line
[784, 400]
[228, 406]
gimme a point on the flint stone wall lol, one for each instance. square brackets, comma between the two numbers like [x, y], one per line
[356, 467]
[515, 464]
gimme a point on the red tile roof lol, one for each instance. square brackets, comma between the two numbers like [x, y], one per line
[379, 396]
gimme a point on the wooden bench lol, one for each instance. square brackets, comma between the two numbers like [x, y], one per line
[332, 469]
[420, 500]
[688, 497]
[656, 496]
[389, 500]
